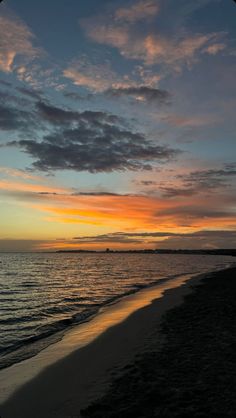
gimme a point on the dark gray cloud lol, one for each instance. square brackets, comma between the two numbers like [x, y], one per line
[199, 239]
[58, 116]
[12, 119]
[34, 94]
[72, 150]
[76, 96]
[5, 83]
[16, 114]
[145, 93]
[55, 114]
[169, 192]
[210, 178]
[100, 194]
[195, 212]
[122, 237]
[201, 181]
[84, 194]
[91, 141]
[12, 100]
[147, 183]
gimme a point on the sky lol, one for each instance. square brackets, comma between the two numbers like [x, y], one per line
[117, 124]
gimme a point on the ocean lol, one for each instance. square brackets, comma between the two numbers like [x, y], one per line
[44, 294]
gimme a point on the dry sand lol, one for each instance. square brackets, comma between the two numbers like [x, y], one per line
[193, 373]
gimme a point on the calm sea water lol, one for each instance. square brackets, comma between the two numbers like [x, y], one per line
[41, 295]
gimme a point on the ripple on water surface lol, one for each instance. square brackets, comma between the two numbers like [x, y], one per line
[42, 294]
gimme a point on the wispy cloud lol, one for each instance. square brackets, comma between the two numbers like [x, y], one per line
[16, 186]
[206, 181]
[215, 48]
[17, 44]
[21, 54]
[14, 119]
[32, 93]
[144, 9]
[142, 93]
[174, 50]
[95, 76]
[19, 173]
[131, 212]
[186, 121]
[212, 181]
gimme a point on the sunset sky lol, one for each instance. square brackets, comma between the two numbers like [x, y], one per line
[117, 124]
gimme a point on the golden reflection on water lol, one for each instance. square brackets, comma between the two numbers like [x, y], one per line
[81, 335]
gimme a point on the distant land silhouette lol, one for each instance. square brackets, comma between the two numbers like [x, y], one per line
[222, 251]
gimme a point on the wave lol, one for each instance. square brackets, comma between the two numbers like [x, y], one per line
[74, 310]
[52, 332]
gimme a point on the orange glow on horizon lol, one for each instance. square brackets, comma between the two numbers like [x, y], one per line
[60, 209]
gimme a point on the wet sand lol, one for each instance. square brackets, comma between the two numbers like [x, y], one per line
[70, 384]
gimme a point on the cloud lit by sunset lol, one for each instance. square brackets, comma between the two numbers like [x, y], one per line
[116, 130]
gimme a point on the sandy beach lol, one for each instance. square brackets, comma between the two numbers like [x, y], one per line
[129, 366]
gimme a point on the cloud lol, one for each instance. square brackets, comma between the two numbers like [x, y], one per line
[141, 10]
[21, 54]
[20, 173]
[101, 78]
[23, 117]
[124, 237]
[129, 212]
[39, 74]
[58, 116]
[34, 94]
[215, 48]
[176, 52]
[75, 96]
[146, 182]
[142, 93]
[17, 115]
[100, 194]
[173, 49]
[5, 83]
[91, 141]
[86, 141]
[204, 239]
[16, 44]
[210, 178]
[12, 119]
[94, 75]
[102, 148]
[200, 181]
[198, 240]
[201, 240]
[23, 187]
[195, 212]
[189, 121]
[55, 114]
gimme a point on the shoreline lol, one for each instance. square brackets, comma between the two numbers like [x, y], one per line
[34, 345]
[112, 347]
[25, 352]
